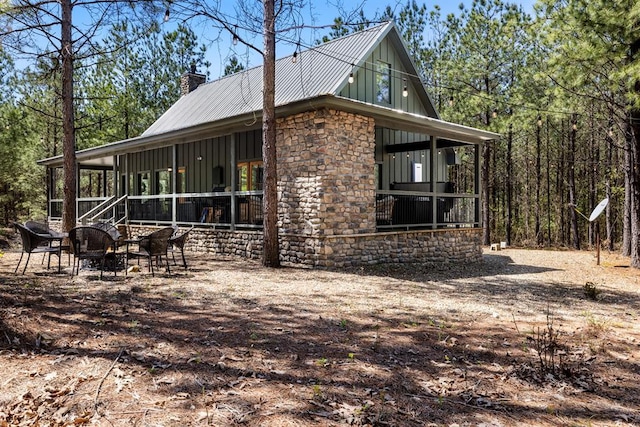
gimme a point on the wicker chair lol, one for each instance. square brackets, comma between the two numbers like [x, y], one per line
[109, 228]
[33, 242]
[177, 242]
[42, 228]
[256, 215]
[38, 227]
[90, 243]
[384, 210]
[154, 245]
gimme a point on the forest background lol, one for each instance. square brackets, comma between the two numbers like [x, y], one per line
[555, 83]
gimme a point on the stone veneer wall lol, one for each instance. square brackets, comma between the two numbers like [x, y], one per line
[427, 246]
[241, 243]
[449, 245]
[326, 181]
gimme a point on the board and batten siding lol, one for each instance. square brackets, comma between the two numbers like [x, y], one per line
[398, 167]
[364, 87]
[249, 145]
[214, 152]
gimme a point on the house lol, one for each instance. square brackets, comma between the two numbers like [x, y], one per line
[367, 171]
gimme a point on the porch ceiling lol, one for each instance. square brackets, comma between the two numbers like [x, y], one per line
[384, 117]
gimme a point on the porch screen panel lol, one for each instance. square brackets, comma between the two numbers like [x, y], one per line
[400, 164]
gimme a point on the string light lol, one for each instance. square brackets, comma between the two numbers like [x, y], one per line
[451, 99]
[574, 125]
[495, 113]
[405, 91]
[166, 15]
[235, 36]
[351, 78]
[294, 57]
[539, 121]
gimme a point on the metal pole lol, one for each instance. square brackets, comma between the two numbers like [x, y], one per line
[598, 242]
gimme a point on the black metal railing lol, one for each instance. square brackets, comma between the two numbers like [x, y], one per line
[150, 209]
[207, 208]
[405, 209]
[394, 209]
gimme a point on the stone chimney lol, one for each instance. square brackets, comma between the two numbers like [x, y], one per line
[191, 80]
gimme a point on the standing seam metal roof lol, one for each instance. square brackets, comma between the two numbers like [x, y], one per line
[321, 70]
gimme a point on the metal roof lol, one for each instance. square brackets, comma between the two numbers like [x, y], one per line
[320, 70]
[313, 81]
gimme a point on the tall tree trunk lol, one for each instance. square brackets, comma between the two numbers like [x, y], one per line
[635, 185]
[607, 184]
[628, 168]
[509, 183]
[572, 183]
[68, 128]
[594, 176]
[634, 119]
[548, 187]
[560, 183]
[538, 183]
[271, 251]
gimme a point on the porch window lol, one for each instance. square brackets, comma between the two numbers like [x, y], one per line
[383, 82]
[250, 176]
[131, 184]
[144, 184]
[181, 180]
[163, 181]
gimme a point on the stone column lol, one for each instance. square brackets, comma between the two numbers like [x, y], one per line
[326, 161]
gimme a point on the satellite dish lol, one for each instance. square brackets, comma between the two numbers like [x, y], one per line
[598, 209]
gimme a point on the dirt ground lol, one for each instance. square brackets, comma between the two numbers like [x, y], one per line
[527, 337]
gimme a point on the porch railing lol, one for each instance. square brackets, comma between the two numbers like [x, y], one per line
[111, 210]
[213, 209]
[83, 206]
[394, 209]
[411, 209]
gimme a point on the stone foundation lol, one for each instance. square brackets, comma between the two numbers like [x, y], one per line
[428, 246]
[450, 245]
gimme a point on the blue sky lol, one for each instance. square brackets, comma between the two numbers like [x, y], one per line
[315, 14]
